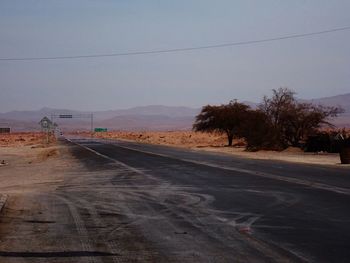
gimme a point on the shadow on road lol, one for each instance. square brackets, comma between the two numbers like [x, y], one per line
[59, 254]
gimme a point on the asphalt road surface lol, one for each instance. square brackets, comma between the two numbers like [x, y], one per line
[144, 203]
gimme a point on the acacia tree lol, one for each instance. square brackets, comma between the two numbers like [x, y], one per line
[280, 121]
[304, 119]
[257, 131]
[275, 108]
[292, 121]
[226, 118]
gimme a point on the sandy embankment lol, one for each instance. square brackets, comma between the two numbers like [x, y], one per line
[28, 162]
[217, 143]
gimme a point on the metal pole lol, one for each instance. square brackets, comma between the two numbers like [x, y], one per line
[52, 121]
[92, 125]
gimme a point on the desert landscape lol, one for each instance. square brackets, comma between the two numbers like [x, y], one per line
[26, 148]
[174, 131]
[17, 145]
[64, 187]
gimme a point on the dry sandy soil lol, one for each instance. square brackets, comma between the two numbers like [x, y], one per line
[217, 143]
[27, 161]
[186, 139]
[23, 139]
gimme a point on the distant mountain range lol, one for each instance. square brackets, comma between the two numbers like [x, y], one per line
[103, 115]
[339, 100]
[153, 117]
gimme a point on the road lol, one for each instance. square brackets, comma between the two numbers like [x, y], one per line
[134, 202]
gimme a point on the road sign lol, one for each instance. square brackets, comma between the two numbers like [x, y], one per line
[5, 127]
[46, 123]
[100, 129]
[75, 116]
[65, 116]
[5, 130]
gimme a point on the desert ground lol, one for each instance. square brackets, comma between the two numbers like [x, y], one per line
[26, 161]
[24, 139]
[213, 142]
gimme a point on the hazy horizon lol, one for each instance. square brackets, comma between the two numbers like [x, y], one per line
[152, 105]
[313, 67]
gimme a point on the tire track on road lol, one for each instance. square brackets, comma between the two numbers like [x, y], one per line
[81, 228]
[200, 223]
[112, 246]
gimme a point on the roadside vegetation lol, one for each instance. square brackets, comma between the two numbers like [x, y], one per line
[278, 122]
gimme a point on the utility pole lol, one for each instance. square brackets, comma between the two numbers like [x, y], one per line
[92, 125]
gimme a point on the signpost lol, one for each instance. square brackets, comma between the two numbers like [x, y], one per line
[5, 130]
[75, 116]
[5, 127]
[65, 116]
[100, 130]
[46, 126]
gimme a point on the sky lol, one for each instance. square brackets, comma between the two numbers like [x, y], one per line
[313, 67]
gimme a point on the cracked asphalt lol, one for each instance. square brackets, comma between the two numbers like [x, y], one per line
[130, 202]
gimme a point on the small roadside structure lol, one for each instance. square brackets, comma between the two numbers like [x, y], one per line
[5, 127]
[344, 142]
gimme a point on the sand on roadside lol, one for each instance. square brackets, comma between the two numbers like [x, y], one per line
[28, 163]
[294, 155]
[24, 139]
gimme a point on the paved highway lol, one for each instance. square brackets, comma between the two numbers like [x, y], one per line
[144, 203]
[212, 207]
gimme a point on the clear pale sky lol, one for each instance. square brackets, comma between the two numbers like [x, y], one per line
[314, 67]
